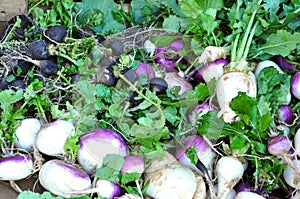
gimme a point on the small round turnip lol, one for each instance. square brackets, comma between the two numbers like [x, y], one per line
[107, 189]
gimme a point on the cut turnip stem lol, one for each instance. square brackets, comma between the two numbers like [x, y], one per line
[64, 179]
[26, 133]
[16, 167]
[229, 171]
[228, 87]
[52, 137]
[94, 146]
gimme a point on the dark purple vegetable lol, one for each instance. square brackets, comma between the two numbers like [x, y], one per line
[280, 61]
[130, 75]
[117, 47]
[57, 33]
[17, 84]
[3, 84]
[106, 76]
[48, 67]
[21, 67]
[176, 45]
[158, 85]
[295, 85]
[285, 113]
[243, 187]
[38, 49]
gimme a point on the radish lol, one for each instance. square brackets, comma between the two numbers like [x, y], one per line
[95, 145]
[248, 195]
[26, 133]
[107, 189]
[52, 137]
[169, 179]
[229, 170]
[16, 167]
[64, 179]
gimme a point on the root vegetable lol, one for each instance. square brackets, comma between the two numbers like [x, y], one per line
[64, 179]
[173, 79]
[229, 171]
[52, 137]
[107, 189]
[95, 145]
[248, 195]
[26, 133]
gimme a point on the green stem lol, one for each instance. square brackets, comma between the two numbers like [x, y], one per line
[241, 50]
[249, 41]
[234, 47]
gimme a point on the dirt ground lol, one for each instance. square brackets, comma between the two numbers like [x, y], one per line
[6, 192]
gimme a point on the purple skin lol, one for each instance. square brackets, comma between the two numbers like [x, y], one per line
[177, 45]
[18, 158]
[133, 164]
[279, 145]
[280, 61]
[197, 111]
[295, 85]
[100, 134]
[76, 172]
[146, 69]
[219, 63]
[116, 189]
[244, 187]
[195, 140]
[285, 113]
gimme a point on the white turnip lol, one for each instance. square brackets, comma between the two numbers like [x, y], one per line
[52, 137]
[107, 189]
[248, 195]
[229, 171]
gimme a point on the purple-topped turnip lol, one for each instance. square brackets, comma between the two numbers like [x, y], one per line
[95, 145]
[285, 114]
[279, 145]
[107, 189]
[198, 111]
[295, 85]
[145, 69]
[52, 137]
[64, 179]
[280, 61]
[16, 167]
[133, 164]
[173, 79]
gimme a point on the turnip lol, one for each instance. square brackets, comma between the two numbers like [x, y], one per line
[107, 189]
[229, 170]
[295, 85]
[204, 152]
[212, 70]
[56, 33]
[238, 77]
[173, 79]
[297, 142]
[280, 61]
[16, 167]
[169, 179]
[248, 195]
[145, 69]
[133, 164]
[264, 64]
[18, 84]
[198, 111]
[38, 49]
[158, 85]
[291, 174]
[64, 179]
[52, 137]
[279, 145]
[95, 145]
[285, 114]
[26, 133]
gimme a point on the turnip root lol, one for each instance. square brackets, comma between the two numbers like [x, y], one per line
[95, 145]
[173, 79]
[297, 142]
[64, 179]
[52, 137]
[228, 87]
[248, 195]
[291, 174]
[16, 167]
[229, 171]
[107, 189]
[129, 196]
[264, 64]
[26, 133]
[169, 179]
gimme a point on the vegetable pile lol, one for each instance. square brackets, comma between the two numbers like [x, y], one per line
[152, 99]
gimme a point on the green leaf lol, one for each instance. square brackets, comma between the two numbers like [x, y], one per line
[88, 91]
[281, 43]
[32, 195]
[172, 23]
[137, 7]
[108, 23]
